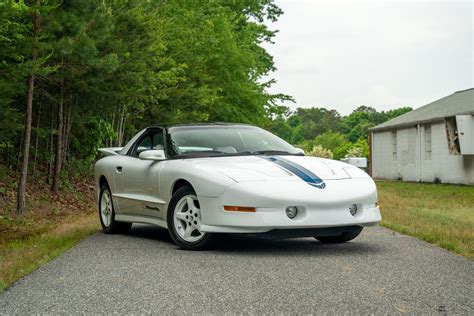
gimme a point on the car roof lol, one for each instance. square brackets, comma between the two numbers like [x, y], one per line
[199, 124]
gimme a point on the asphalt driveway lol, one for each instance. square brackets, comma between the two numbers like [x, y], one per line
[144, 272]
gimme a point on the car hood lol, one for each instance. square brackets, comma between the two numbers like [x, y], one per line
[268, 168]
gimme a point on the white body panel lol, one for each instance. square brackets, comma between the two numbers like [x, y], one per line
[142, 190]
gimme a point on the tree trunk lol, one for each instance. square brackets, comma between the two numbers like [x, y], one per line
[37, 138]
[111, 140]
[26, 147]
[64, 137]
[20, 155]
[59, 142]
[50, 145]
[29, 113]
[67, 132]
[122, 126]
[118, 141]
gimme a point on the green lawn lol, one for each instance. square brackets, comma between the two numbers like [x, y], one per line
[441, 214]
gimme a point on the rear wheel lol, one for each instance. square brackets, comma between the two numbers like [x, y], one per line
[184, 221]
[107, 213]
[344, 237]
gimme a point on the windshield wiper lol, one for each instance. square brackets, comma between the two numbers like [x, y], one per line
[271, 152]
[217, 153]
[202, 153]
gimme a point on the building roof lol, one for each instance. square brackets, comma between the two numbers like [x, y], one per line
[460, 102]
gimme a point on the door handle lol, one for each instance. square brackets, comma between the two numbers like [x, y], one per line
[118, 168]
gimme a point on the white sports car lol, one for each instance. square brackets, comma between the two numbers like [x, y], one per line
[199, 180]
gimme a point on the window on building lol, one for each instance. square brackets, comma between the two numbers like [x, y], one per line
[394, 145]
[427, 142]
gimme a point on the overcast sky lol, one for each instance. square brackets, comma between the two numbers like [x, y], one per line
[382, 54]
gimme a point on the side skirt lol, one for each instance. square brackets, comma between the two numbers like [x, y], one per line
[140, 219]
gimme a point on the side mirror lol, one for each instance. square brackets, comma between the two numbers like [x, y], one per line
[155, 155]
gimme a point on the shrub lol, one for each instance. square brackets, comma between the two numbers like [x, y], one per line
[355, 152]
[321, 152]
[360, 149]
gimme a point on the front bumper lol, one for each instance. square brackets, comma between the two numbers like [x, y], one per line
[317, 208]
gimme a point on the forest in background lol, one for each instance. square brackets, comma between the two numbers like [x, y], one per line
[325, 133]
[79, 75]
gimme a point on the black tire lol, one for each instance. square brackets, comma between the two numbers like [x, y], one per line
[344, 237]
[204, 243]
[113, 227]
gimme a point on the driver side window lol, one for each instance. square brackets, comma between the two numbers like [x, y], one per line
[152, 140]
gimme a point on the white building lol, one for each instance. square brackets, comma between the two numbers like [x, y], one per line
[432, 143]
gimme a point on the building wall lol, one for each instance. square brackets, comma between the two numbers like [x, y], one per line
[414, 162]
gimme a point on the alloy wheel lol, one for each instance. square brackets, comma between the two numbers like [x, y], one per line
[187, 219]
[106, 208]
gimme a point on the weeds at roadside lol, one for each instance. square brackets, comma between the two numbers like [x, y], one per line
[441, 214]
[52, 224]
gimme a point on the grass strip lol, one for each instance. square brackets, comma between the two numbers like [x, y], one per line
[22, 256]
[441, 214]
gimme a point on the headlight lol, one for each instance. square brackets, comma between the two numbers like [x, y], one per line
[354, 172]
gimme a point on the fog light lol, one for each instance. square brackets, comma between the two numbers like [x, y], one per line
[353, 209]
[291, 211]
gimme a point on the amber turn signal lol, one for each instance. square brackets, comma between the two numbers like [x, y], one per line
[239, 208]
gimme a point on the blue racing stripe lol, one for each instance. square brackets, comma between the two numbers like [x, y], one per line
[298, 170]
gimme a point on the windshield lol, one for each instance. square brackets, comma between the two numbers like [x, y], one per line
[225, 140]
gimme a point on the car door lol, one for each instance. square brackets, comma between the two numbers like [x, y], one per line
[137, 181]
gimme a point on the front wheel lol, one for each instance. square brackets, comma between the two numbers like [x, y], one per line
[184, 221]
[344, 237]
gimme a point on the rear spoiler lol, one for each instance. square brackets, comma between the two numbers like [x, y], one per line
[110, 151]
